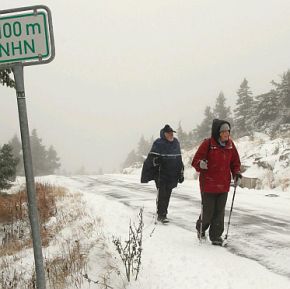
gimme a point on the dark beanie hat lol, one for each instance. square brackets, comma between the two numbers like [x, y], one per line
[168, 128]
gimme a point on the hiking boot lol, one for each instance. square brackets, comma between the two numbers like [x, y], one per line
[162, 219]
[218, 242]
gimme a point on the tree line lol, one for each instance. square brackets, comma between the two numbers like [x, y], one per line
[268, 112]
[45, 160]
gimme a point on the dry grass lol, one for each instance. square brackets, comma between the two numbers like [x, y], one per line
[14, 217]
[67, 266]
[68, 233]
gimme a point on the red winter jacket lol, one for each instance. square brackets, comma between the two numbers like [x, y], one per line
[222, 161]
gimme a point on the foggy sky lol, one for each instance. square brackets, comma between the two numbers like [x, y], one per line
[124, 68]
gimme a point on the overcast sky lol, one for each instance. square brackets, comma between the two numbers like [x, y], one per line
[124, 68]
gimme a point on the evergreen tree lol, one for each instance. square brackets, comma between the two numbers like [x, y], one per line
[267, 112]
[203, 130]
[17, 154]
[182, 136]
[44, 161]
[283, 97]
[244, 112]
[143, 148]
[39, 154]
[7, 166]
[131, 159]
[221, 111]
[81, 171]
[190, 141]
[5, 78]
[52, 161]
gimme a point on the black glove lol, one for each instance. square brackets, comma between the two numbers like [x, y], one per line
[181, 179]
[237, 179]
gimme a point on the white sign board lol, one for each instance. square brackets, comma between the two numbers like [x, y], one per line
[24, 37]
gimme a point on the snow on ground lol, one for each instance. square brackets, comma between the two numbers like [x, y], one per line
[172, 257]
[266, 159]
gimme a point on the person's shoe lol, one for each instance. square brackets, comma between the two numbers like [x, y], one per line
[162, 219]
[218, 242]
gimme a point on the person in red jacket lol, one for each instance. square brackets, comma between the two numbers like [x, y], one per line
[216, 159]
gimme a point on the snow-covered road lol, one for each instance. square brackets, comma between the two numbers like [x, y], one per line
[260, 225]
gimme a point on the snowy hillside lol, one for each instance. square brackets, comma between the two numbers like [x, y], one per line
[266, 159]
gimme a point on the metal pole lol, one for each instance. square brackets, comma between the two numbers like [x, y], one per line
[30, 185]
[201, 209]
[229, 221]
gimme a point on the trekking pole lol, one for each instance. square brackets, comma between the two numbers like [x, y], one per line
[201, 207]
[201, 217]
[157, 197]
[229, 221]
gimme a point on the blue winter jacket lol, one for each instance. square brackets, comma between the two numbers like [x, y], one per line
[164, 162]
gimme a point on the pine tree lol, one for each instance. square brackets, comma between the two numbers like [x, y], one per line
[190, 141]
[39, 154]
[267, 112]
[131, 159]
[52, 161]
[7, 167]
[244, 111]
[182, 136]
[17, 154]
[203, 130]
[143, 148]
[81, 171]
[221, 111]
[5, 78]
[283, 97]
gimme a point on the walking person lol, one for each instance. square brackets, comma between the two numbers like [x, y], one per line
[164, 165]
[216, 159]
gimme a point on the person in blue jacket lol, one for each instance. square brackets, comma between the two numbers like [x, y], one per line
[164, 165]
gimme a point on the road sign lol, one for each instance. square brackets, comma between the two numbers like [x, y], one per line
[26, 36]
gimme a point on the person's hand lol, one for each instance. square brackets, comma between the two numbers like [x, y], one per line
[181, 178]
[203, 164]
[237, 179]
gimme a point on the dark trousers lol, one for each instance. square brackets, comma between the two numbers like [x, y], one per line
[213, 214]
[163, 197]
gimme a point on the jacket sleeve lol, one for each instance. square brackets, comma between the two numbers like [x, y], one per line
[235, 161]
[201, 154]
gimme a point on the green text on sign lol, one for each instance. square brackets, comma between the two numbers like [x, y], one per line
[23, 37]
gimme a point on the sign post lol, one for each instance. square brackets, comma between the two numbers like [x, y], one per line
[26, 38]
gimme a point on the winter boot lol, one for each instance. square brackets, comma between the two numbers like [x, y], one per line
[218, 242]
[162, 219]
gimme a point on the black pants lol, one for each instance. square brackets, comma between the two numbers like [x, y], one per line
[213, 214]
[163, 197]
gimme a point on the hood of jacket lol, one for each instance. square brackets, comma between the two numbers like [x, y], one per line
[215, 129]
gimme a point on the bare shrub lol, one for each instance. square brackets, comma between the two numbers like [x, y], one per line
[131, 251]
